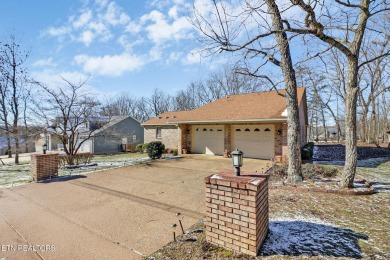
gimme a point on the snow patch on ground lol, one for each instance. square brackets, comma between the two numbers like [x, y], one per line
[310, 237]
[21, 174]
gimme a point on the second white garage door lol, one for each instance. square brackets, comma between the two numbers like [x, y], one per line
[256, 141]
[208, 139]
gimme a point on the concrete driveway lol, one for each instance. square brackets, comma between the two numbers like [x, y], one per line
[122, 213]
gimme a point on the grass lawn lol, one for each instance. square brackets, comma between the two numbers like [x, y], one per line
[119, 157]
[11, 174]
[312, 225]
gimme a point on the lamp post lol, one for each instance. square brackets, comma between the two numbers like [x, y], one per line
[180, 217]
[44, 148]
[237, 157]
[173, 227]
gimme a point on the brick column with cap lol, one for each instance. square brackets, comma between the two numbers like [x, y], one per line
[44, 166]
[237, 211]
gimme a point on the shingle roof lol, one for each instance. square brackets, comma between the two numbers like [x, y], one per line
[164, 118]
[243, 107]
[114, 120]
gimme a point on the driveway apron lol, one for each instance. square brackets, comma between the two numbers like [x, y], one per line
[123, 213]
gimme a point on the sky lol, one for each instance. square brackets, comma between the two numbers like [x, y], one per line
[121, 46]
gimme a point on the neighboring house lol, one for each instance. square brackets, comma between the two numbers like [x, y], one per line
[331, 133]
[255, 123]
[107, 137]
[110, 137]
[25, 146]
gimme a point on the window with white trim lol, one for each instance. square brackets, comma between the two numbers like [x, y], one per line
[158, 132]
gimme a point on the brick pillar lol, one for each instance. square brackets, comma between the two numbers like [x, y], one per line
[237, 211]
[185, 138]
[44, 166]
[227, 138]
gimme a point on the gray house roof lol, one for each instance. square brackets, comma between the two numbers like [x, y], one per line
[114, 120]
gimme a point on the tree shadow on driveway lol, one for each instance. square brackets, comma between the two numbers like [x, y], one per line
[300, 238]
[63, 178]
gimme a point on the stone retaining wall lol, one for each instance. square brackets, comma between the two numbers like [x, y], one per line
[337, 152]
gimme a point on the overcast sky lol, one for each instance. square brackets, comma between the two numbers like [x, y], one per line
[122, 45]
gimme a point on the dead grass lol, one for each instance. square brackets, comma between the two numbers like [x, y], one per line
[366, 217]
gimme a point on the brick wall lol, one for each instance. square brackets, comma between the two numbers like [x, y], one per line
[185, 132]
[170, 136]
[278, 138]
[302, 123]
[44, 166]
[237, 211]
[284, 142]
[227, 137]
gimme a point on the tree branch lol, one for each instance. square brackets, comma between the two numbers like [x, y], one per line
[374, 59]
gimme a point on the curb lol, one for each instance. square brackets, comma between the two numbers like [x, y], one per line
[353, 192]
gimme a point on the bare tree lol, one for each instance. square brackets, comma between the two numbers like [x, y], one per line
[374, 76]
[342, 25]
[159, 102]
[70, 114]
[249, 32]
[13, 83]
[218, 84]
[188, 99]
[124, 104]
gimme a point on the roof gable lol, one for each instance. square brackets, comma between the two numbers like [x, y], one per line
[114, 120]
[259, 106]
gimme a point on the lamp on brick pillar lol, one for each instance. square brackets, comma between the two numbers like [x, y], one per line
[44, 148]
[237, 157]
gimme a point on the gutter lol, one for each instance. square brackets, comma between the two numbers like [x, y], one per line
[230, 121]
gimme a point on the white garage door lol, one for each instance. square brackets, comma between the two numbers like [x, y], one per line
[208, 139]
[86, 147]
[255, 141]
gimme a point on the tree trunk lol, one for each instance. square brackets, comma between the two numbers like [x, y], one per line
[350, 126]
[336, 122]
[363, 130]
[324, 126]
[293, 133]
[9, 145]
[17, 150]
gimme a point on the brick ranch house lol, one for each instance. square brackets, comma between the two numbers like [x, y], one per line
[255, 123]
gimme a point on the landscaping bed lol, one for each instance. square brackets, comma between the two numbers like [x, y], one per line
[311, 225]
[317, 178]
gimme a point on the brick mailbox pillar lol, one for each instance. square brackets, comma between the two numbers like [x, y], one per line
[44, 166]
[237, 211]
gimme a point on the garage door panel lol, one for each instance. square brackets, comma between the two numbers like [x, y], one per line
[255, 141]
[208, 139]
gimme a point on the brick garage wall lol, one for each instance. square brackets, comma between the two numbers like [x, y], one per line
[237, 211]
[227, 140]
[278, 139]
[302, 122]
[185, 132]
[169, 136]
[284, 141]
[44, 166]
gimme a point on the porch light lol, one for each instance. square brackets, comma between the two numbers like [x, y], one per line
[44, 148]
[237, 157]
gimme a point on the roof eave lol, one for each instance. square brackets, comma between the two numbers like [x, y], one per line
[155, 124]
[260, 120]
